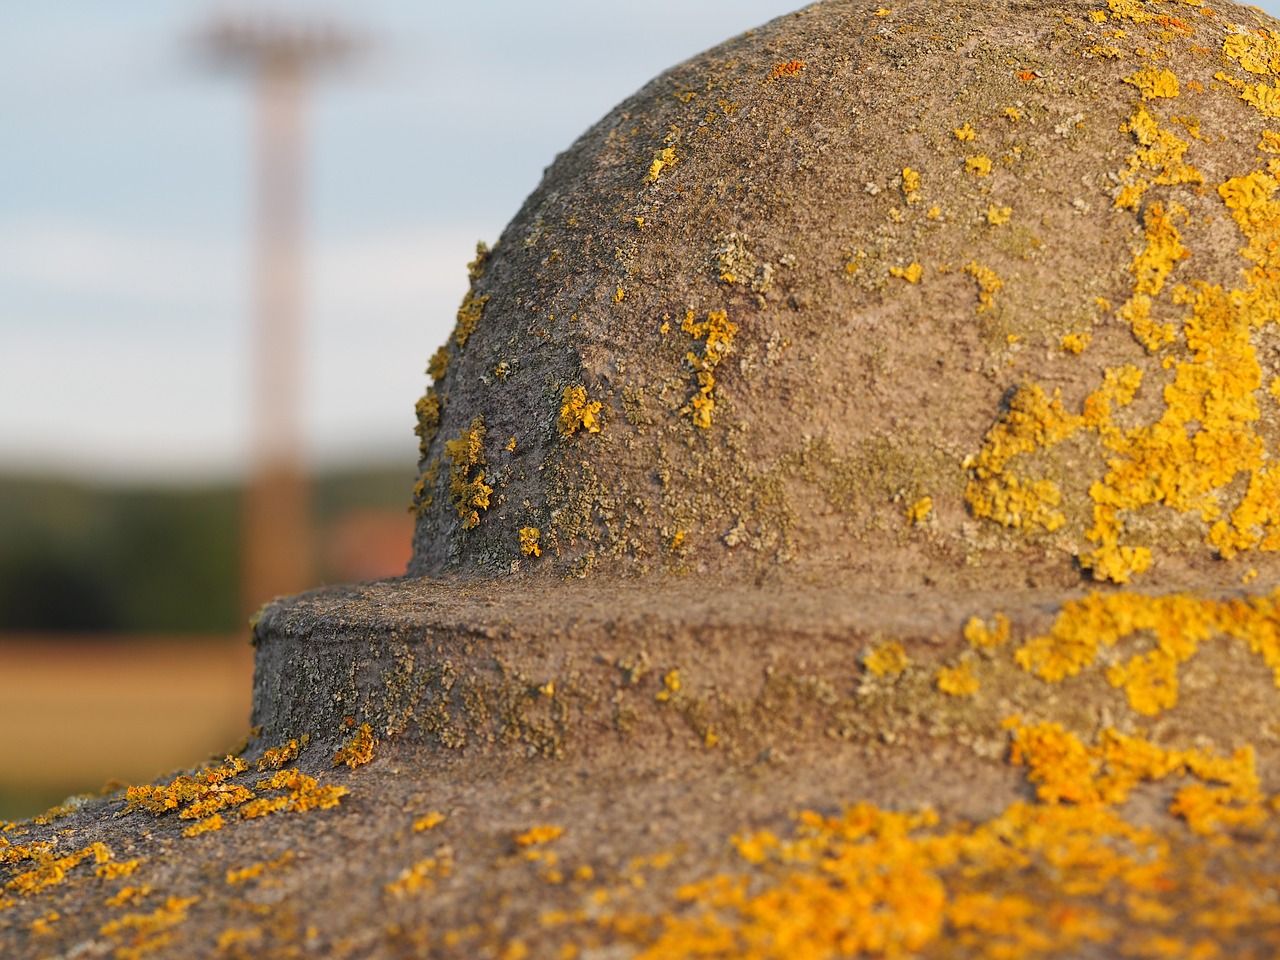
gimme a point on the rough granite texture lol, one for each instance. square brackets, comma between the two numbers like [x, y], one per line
[848, 526]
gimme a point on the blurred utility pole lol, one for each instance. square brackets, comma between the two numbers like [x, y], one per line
[280, 55]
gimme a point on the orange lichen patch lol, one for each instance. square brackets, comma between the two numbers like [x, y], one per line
[1025, 76]
[979, 165]
[276, 757]
[911, 274]
[1178, 623]
[114, 870]
[128, 896]
[887, 659]
[1191, 455]
[428, 419]
[305, 793]
[982, 636]
[42, 926]
[576, 413]
[965, 133]
[718, 332]
[438, 366]
[1032, 421]
[670, 686]
[420, 877]
[957, 681]
[911, 185]
[469, 314]
[1064, 769]
[476, 268]
[428, 821]
[238, 937]
[1150, 269]
[988, 284]
[529, 541]
[666, 157]
[140, 933]
[255, 870]
[1258, 53]
[792, 68]
[1153, 83]
[207, 825]
[466, 486]
[1158, 158]
[1262, 97]
[1075, 342]
[875, 883]
[998, 215]
[219, 797]
[919, 511]
[358, 750]
[537, 836]
[49, 871]
[183, 789]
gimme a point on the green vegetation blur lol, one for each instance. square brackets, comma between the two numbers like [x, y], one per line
[85, 558]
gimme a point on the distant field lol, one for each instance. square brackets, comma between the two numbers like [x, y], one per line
[78, 713]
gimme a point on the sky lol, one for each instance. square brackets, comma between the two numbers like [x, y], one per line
[125, 211]
[126, 208]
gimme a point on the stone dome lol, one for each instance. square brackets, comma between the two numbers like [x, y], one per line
[987, 301]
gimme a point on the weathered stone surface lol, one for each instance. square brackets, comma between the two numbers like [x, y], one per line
[877, 412]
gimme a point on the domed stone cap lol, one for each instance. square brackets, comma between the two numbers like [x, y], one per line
[986, 300]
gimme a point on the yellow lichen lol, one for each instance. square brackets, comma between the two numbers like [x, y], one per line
[1158, 158]
[276, 757]
[576, 413]
[911, 185]
[420, 876]
[919, 511]
[964, 133]
[428, 420]
[792, 68]
[1075, 342]
[1258, 53]
[529, 541]
[1178, 623]
[911, 274]
[998, 215]
[428, 821]
[537, 836]
[979, 165]
[358, 750]
[664, 158]
[469, 314]
[114, 870]
[128, 896]
[887, 659]
[467, 488]
[256, 870]
[619, 295]
[670, 686]
[1153, 83]
[207, 825]
[438, 366]
[988, 284]
[983, 637]
[718, 332]
[957, 681]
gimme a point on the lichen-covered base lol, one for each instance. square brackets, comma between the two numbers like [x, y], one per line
[986, 776]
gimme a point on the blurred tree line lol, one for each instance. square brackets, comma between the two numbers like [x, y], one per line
[84, 558]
